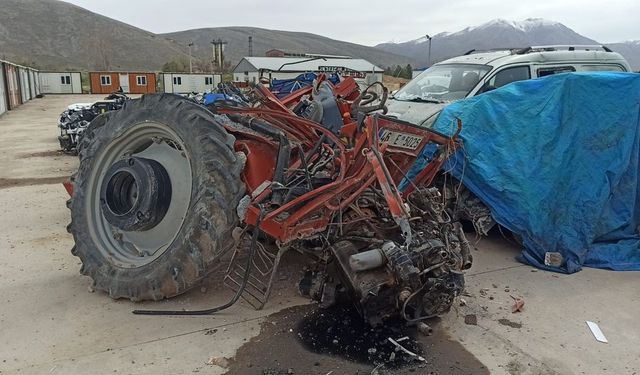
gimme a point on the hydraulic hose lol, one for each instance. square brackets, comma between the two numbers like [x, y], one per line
[236, 297]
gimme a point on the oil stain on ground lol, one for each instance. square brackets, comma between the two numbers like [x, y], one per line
[509, 323]
[308, 340]
[45, 154]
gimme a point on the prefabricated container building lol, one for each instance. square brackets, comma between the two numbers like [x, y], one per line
[183, 83]
[130, 82]
[61, 82]
[18, 84]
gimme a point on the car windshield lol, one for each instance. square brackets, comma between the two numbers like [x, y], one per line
[443, 83]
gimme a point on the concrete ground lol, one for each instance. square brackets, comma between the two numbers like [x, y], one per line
[51, 323]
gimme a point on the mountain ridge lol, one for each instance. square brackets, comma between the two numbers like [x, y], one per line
[55, 35]
[293, 41]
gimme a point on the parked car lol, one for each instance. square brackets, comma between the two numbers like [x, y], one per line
[474, 73]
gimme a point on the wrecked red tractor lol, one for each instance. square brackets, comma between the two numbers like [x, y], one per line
[167, 187]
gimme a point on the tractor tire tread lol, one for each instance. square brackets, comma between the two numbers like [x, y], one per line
[204, 236]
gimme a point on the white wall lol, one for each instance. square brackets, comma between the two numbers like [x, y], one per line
[51, 83]
[184, 83]
[3, 93]
[241, 77]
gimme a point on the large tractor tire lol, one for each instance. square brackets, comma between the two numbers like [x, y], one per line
[155, 198]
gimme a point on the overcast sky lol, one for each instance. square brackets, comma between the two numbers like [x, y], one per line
[373, 21]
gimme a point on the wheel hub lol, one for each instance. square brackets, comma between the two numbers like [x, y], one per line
[135, 194]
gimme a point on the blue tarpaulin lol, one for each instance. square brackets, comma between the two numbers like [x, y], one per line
[284, 87]
[556, 160]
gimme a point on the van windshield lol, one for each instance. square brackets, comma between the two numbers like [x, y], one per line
[443, 83]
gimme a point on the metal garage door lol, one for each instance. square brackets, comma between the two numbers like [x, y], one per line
[13, 90]
[32, 84]
[24, 85]
[3, 92]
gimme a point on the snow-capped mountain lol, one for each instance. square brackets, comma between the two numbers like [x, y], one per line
[501, 33]
[526, 25]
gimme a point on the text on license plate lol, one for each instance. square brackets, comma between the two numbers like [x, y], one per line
[402, 140]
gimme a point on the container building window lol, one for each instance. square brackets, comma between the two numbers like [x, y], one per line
[65, 80]
[141, 80]
[208, 81]
[177, 80]
[105, 80]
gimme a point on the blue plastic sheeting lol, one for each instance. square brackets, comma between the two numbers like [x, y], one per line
[212, 97]
[284, 87]
[556, 160]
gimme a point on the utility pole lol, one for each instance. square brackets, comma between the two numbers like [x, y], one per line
[217, 50]
[429, 53]
[190, 58]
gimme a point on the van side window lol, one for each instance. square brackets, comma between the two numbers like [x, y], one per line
[602, 68]
[506, 76]
[543, 72]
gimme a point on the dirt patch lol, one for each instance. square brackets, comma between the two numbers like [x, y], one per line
[306, 340]
[44, 154]
[507, 322]
[15, 182]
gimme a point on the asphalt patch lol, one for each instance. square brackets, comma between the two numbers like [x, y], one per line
[307, 340]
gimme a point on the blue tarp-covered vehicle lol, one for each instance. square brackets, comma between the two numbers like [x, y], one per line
[556, 161]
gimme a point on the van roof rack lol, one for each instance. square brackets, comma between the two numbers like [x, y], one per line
[567, 47]
[506, 49]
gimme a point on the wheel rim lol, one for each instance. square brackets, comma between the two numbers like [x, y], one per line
[116, 190]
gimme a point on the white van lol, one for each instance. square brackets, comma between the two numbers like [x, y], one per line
[420, 100]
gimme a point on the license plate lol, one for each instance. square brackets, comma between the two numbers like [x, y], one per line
[402, 140]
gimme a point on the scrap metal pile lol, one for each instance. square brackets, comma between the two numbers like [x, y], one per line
[75, 119]
[166, 187]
